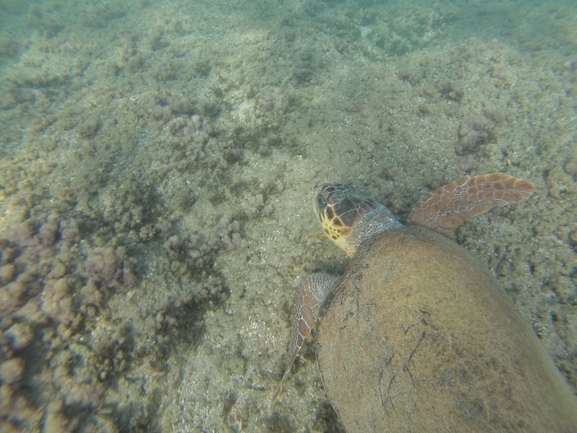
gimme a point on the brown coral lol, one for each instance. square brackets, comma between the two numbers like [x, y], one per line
[110, 267]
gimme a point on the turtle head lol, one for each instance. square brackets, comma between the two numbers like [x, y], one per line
[349, 217]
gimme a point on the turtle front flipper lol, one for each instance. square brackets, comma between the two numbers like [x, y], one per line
[306, 309]
[447, 207]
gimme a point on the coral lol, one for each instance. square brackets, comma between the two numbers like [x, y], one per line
[48, 233]
[157, 108]
[197, 247]
[451, 91]
[89, 127]
[159, 321]
[276, 101]
[49, 287]
[20, 335]
[213, 289]
[110, 267]
[473, 130]
[7, 273]
[503, 73]
[251, 206]
[226, 235]
[16, 413]
[11, 371]
[57, 302]
[194, 128]
[494, 113]
[84, 395]
[11, 296]
[468, 164]
[192, 258]
[91, 294]
[146, 233]
[55, 421]
[254, 206]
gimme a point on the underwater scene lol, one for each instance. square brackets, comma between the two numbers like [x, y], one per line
[158, 160]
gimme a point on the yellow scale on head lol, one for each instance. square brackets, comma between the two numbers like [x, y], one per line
[334, 227]
[339, 207]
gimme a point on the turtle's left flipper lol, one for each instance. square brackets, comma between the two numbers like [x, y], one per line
[306, 308]
[447, 207]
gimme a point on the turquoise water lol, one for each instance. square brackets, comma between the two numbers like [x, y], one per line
[156, 166]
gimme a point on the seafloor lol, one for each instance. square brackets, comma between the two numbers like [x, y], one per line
[156, 167]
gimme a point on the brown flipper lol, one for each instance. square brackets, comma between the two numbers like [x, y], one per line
[306, 308]
[447, 207]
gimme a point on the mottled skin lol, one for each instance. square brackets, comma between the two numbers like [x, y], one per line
[435, 282]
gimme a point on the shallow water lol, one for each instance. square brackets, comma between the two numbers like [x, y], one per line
[156, 168]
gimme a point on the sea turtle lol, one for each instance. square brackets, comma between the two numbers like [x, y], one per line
[417, 335]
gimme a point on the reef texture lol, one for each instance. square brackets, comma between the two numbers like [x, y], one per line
[156, 170]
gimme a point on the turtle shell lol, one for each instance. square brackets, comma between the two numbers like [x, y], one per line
[419, 336]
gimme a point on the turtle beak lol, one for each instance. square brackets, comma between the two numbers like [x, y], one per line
[319, 201]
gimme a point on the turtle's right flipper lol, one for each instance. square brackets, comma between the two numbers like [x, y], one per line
[447, 207]
[306, 308]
